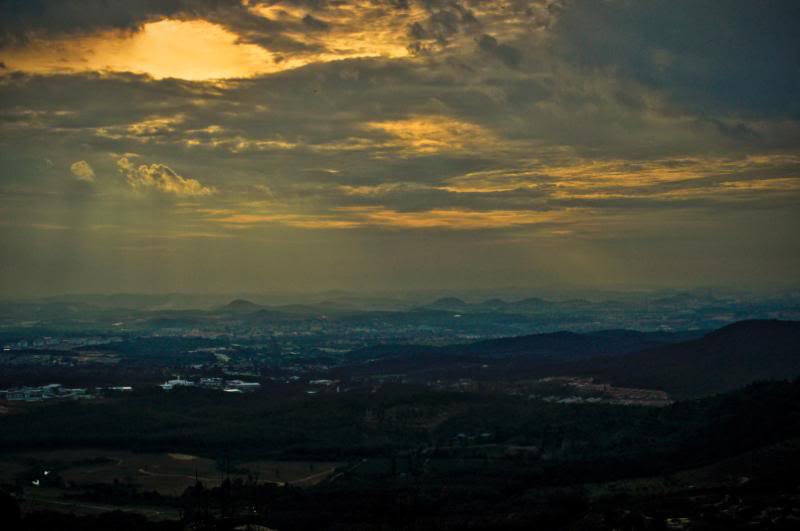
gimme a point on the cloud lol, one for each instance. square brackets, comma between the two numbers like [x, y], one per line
[315, 23]
[244, 39]
[509, 55]
[82, 171]
[454, 218]
[444, 20]
[160, 178]
[708, 55]
[143, 51]
[23, 20]
[570, 125]
[419, 135]
[458, 219]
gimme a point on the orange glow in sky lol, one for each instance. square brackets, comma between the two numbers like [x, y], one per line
[197, 50]
[193, 50]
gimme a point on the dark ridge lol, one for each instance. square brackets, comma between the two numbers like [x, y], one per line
[725, 359]
[241, 305]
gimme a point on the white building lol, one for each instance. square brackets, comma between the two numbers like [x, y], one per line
[178, 382]
[243, 386]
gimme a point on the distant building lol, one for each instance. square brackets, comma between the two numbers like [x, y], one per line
[243, 386]
[45, 392]
[28, 394]
[178, 382]
[229, 386]
[212, 383]
[323, 382]
[52, 390]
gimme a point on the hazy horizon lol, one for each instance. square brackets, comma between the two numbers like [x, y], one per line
[421, 296]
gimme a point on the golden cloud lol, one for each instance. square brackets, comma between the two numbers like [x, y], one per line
[778, 183]
[185, 49]
[628, 173]
[365, 217]
[380, 189]
[203, 50]
[578, 177]
[224, 47]
[82, 171]
[155, 125]
[160, 178]
[434, 134]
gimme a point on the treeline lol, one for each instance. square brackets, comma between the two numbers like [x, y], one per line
[401, 418]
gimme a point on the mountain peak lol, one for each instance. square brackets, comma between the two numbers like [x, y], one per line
[240, 305]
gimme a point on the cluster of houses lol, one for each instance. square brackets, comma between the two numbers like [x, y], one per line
[64, 343]
[228, 386]
[57, 391]
[584, 390]
[44, 392]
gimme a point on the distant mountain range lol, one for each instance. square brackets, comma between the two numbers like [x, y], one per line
[492, 316]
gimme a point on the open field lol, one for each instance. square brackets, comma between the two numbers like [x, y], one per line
[165, 473]
[48, 499]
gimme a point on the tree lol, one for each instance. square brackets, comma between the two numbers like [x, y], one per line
[10, 513]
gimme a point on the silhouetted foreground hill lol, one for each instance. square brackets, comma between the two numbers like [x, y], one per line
[723, 360]
[582, 466]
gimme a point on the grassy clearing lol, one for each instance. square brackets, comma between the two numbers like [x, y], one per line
[165, 473]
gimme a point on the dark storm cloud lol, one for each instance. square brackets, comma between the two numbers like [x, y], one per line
[710, 55]
[509, 55]
[446, 19]
[315, 23]
[266, 32]
[19, 19]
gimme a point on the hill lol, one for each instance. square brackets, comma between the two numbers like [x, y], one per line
[507, 357]
[567, 345]
[723, 360]
[241, 306]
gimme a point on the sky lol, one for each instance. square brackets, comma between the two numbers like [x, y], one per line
[232, 145]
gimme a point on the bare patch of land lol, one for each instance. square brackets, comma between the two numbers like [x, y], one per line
[165, 473]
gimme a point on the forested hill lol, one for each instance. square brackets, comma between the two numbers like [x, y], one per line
[723, 360]
[551, 347]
